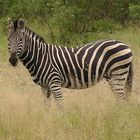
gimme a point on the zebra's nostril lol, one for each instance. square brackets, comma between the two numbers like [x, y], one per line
[13, 61]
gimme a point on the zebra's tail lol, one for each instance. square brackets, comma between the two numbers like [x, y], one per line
[129, 81]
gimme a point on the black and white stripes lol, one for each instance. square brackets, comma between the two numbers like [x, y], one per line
[53, 67]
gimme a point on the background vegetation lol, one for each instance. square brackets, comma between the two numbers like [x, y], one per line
[67, 21]
[90, 114]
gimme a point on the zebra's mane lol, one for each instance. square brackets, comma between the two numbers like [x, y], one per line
[15, 23]
[34, 33]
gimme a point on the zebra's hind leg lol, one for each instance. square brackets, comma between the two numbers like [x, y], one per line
[57, 92]
[47, 98]
[117, 82]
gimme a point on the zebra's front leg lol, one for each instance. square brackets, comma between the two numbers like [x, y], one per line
[47, 97]
[57, 92]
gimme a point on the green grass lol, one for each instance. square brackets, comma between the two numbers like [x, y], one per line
[91, 114]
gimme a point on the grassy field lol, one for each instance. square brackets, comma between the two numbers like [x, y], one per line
[90, 114]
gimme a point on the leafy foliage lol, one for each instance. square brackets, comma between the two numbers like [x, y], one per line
[67, 18]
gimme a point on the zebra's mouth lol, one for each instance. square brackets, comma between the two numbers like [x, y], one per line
[13, 60]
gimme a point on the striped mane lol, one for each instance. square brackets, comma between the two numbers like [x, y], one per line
[37, 35]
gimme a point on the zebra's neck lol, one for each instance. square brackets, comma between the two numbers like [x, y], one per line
[35, 49]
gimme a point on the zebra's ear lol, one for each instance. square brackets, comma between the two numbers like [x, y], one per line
[10, 23]
[9, 20]
[21, 23]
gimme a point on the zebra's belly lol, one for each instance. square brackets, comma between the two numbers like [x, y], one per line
[76, 86]
[78, 83]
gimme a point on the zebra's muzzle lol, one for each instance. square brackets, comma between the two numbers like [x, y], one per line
[13, 59]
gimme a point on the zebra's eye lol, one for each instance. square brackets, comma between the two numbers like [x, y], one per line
[9, 39]
[20, 39]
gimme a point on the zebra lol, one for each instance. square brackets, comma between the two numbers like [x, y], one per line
[53, 66]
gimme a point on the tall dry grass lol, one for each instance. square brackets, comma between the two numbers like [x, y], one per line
[91, 114]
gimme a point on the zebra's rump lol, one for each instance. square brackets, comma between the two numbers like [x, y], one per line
[95, 61]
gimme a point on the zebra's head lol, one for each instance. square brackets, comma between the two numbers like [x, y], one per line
[16, 39]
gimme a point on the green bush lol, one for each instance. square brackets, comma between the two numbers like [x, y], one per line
[135, 12]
